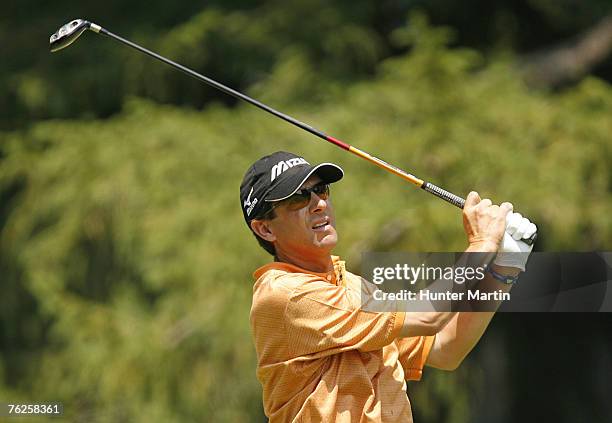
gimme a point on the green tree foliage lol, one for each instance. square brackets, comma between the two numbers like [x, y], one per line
[520, 25]
[237, 42]
[241, 42]
[125, 261]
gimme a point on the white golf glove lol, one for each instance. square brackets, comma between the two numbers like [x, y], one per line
[513, 251]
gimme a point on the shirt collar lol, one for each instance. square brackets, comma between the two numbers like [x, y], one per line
[337, 276]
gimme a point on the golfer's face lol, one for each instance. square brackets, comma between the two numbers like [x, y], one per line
[307, 230]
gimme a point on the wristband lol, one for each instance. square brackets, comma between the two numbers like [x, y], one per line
[507, 279]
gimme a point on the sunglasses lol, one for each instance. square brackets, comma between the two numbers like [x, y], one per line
[301, 198]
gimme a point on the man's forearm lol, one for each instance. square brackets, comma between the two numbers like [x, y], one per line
[425, 323]
[465, 329]
[489, 231]
[431, 323]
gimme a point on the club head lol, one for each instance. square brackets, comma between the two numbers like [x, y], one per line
[67, 34]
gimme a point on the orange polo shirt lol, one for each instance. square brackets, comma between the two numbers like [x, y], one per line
[323, 359]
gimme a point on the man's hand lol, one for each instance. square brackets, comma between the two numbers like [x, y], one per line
[484, 223]
[514, 252]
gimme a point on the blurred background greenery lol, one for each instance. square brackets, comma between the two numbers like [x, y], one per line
[125, 265]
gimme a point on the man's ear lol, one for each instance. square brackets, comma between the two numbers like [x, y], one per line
[262, 228]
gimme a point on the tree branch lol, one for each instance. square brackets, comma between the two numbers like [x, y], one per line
[569, 61]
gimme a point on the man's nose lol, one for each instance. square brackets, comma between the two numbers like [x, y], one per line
[319, 203]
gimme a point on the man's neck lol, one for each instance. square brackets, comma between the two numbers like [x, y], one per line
[320, 264]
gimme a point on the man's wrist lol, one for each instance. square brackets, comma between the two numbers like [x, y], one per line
[484, 246]
[505, 270]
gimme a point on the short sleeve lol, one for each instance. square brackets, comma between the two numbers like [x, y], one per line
[413, 354]
[324, 319]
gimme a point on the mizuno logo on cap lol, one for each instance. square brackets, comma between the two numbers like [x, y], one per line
[248, 204]
[283, 165]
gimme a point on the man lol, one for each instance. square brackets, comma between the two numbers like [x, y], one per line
[321, 358]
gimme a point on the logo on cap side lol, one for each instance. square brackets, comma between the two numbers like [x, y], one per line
[283, 165]
[250, 205]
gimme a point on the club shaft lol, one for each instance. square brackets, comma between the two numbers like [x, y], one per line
[360, 153]
[426, 186]
[219, 86]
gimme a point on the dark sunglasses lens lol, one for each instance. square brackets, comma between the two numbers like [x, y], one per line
[322, 191]
[299, 199]
[302, 197]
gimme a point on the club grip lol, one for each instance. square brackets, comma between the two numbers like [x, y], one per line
[443, 194]
[460, 202]
[531, 239]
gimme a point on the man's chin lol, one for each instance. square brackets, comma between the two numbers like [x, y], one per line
[329, 241]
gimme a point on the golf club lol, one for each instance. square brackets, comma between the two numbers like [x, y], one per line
[68, 33]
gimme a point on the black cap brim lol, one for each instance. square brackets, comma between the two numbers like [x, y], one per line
[293, 179]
